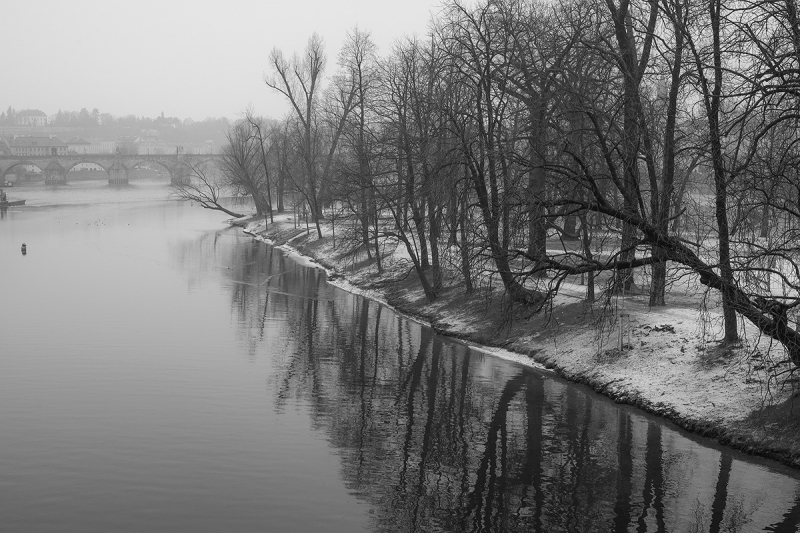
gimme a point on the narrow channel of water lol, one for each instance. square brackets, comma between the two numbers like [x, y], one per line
[161, 372]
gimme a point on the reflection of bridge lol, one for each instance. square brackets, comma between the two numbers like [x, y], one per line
[55, 167]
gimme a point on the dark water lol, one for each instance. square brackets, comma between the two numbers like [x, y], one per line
[161, 372]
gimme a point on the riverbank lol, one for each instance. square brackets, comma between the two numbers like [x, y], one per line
[663, 360]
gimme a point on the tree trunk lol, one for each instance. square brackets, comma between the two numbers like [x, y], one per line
[586, 242]
[720, 183]
[434, 224]
[537, 233]
[364, 216]
[464, 246]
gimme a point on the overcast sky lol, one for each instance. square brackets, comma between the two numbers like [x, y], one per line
[186, 58]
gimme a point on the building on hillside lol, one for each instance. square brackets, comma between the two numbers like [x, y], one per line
[97, 146]
[127, 145]
[150, 147]
[30, 146]
[78, 145]
[206, 147]
[31, 117]
[107, 146]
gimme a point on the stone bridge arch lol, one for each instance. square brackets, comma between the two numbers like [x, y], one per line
[72, 164]
[179, 166]
[55, 167]
[54, 173]
[5, 166]
[163, 164]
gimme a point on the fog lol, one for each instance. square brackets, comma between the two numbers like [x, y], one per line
[188, 59]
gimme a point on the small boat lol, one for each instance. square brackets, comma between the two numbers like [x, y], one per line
[12, 203]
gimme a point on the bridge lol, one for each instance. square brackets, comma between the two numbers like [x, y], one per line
[117, 166]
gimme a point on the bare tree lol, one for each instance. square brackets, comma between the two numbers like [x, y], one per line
[241, 165]
[299, 80]
[262, 133]
[484, 125]
[204, 186]
[358, 60]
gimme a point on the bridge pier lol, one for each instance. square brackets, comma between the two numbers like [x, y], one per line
[179, 175]
[117, 174]
[54, 174]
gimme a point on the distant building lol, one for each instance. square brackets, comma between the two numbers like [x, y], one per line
[107, 146]
[77, 145]
[97, 146]
[127, 145]
[31, 117]
[149, 147]
[197, 148]
[29, 146]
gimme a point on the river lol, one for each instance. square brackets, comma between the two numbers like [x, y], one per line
[162, 372]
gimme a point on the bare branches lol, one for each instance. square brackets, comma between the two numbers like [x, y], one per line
[550, 141]
[299, 81]
[205, 187]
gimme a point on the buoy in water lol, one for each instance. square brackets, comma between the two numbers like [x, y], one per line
[24, 249]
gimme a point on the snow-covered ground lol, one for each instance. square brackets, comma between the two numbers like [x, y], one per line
[665, 360]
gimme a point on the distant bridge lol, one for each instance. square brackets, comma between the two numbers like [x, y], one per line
[117, 166]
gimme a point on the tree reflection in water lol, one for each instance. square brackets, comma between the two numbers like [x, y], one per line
[439, 437]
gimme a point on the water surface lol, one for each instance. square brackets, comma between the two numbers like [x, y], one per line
[160, 371]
